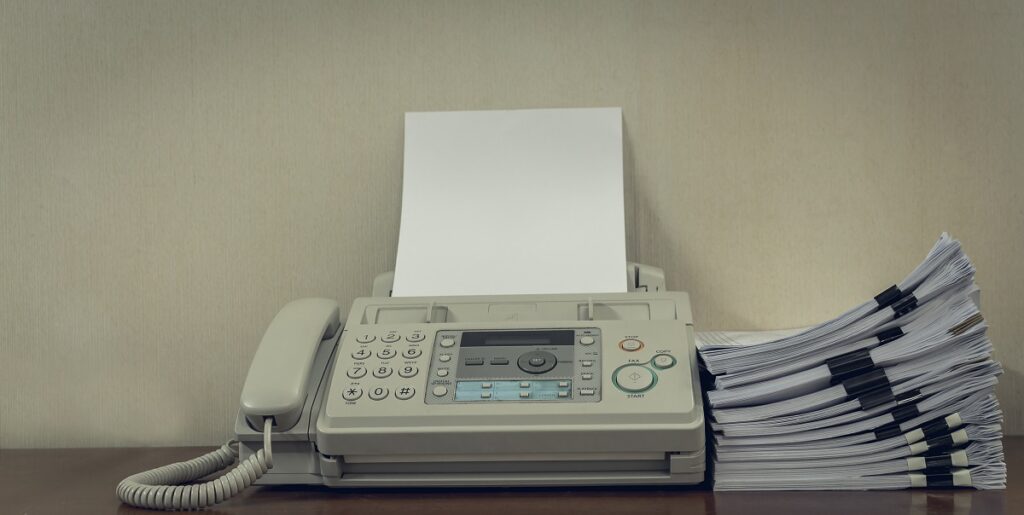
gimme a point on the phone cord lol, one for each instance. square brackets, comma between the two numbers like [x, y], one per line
[163, 489]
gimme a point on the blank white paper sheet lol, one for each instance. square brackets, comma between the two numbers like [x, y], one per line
[512, 202]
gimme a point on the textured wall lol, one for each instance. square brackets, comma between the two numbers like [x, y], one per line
[171, 173]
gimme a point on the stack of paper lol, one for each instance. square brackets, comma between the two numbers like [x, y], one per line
[895, 393]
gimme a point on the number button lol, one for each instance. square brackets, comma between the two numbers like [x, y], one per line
[382, 372]
[405, 393]
[361, 354]
[408, 371]
[365, 338]
[411, 353]
[415, 337]
[386, 353]
[390, 337]
[378, 393]
[356, 372]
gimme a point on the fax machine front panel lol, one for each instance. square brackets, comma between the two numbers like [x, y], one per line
[602, 383]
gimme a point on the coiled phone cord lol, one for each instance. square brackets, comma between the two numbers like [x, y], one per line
[162, 489]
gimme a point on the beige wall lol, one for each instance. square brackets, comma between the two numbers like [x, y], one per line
[171, 173]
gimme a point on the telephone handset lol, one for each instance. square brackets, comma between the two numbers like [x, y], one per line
[272, 398]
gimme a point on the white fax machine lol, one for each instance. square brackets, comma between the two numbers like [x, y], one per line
[519, 390]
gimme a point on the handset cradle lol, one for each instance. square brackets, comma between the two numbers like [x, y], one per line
[272, 398]
[276, 384]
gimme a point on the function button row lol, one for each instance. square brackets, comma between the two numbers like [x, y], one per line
[474, 362]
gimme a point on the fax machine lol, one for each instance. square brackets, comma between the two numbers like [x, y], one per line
[522, 390]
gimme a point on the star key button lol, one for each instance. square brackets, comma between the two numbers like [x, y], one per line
[352, 393]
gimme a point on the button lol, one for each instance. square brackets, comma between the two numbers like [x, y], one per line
[386, 353]
[442, 372]
[587, 376]
[408, 371]
[411, 353]
[440, 391]
[415, 337]
[634, 378]
[499, 361]
[365, 338]
[405, 393]
[352, 393]
[356, 372]
[390, 337]
[631, 345]
[381, 372]
[537, 362]
[361, 354]
[664, 361]
[587, 363]
[586, 391]
[524, 384]
[524, 395]
[485, 385]
[473, 362]
[563, 384]
[563, 394]
[444, 358]
[378, 393]
[587, 340]
[447, 342]
[485, 395]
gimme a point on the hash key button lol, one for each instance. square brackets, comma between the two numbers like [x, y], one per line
[405, 393]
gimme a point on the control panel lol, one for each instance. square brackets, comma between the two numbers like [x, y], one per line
[518, 365]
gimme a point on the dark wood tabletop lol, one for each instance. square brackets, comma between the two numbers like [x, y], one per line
[83, 481]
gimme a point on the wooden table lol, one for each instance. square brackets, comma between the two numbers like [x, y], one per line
[83, 481]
